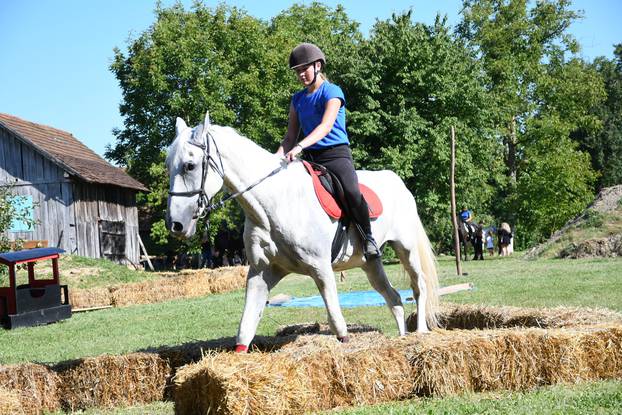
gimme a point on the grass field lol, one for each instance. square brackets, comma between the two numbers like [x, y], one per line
[498, 281]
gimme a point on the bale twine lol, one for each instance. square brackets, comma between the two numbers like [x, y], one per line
[109, 381]
[313, 373]
[35, 386]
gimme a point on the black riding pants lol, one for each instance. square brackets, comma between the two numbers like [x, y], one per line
[338, 160]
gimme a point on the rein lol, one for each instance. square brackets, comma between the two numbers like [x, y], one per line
[204, 208]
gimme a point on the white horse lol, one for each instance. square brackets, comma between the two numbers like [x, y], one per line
[287, 231]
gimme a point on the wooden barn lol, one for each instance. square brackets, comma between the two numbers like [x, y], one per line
[81, 202]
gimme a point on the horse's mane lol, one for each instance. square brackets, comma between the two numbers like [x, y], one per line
[241, 139]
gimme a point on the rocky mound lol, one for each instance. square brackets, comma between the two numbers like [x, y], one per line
[596, 232]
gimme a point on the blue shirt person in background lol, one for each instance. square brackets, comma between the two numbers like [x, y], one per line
[466, 216]
[318, 111]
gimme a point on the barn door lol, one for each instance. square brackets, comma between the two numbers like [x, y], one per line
[112, 239]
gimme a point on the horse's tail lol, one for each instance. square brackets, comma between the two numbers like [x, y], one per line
[429, 266]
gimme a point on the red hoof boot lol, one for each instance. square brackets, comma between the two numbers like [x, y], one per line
[240, 348]
[344, 339]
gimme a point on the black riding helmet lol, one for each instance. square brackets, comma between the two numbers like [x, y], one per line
[304, 54]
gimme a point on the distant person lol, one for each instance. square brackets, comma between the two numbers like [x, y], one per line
[206, 251]
[504, 235]
[466, 217]
[490, 244]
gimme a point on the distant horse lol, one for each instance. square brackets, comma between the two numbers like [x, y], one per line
[287, 231]
[476, 239]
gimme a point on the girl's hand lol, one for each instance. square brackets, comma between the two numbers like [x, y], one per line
[291, 154]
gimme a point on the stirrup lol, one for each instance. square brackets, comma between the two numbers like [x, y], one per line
[370, 248]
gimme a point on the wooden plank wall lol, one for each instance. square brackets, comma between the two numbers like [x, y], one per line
[34, 175]
[106, 203]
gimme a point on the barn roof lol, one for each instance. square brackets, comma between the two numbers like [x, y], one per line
[68, 152]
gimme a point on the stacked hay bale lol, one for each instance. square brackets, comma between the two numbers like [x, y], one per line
[91, 297]
[109, 381]
[317, 373]
[446, 363]
[186, 284]
[468, 316]
[312, 373]
[30, 387]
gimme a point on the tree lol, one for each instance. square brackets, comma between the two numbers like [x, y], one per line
[542, 96]
[12, 209]
[605, 145]
[411, 83]
[221, 60]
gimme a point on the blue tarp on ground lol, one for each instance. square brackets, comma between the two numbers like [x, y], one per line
[347, 300]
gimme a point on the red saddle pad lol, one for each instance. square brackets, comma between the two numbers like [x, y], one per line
[330, 205]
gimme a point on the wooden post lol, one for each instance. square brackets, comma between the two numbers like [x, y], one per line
[452, 186]
[142, 247]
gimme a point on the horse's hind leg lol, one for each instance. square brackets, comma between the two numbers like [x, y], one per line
[378, 279]
[412, 263]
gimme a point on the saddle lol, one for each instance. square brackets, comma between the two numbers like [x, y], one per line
[330, 194]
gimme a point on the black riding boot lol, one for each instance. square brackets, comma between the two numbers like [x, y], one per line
[361, 220]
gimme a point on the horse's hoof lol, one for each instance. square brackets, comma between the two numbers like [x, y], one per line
[240, 348]
[344, 339]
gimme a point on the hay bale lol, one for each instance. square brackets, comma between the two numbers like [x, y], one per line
[36, 387]
[317, 373]
[91, 297]
[10, 402]
[147, 292]
[313, 373]
[446, 363]
[187, 284]
[109, 381]
[467, 316]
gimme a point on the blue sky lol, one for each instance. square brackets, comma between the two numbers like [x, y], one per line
[55, 54]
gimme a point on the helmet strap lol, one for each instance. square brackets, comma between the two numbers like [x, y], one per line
[315, 72]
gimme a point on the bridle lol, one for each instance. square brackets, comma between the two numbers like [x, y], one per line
[204, 208]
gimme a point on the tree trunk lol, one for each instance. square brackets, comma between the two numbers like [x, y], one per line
[511, 143]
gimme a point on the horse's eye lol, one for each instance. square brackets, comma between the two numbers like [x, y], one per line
[189, 166]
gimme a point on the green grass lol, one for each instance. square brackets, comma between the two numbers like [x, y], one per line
[498, 281]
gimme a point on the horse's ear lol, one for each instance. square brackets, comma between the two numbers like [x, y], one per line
[206, 121]
[180, 125]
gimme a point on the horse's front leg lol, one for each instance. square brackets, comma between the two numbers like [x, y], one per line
[258, 286]
[325, 281]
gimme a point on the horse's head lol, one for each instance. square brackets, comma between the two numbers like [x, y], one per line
[195, 176]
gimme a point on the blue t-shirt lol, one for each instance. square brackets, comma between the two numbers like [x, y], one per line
[310, 109]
